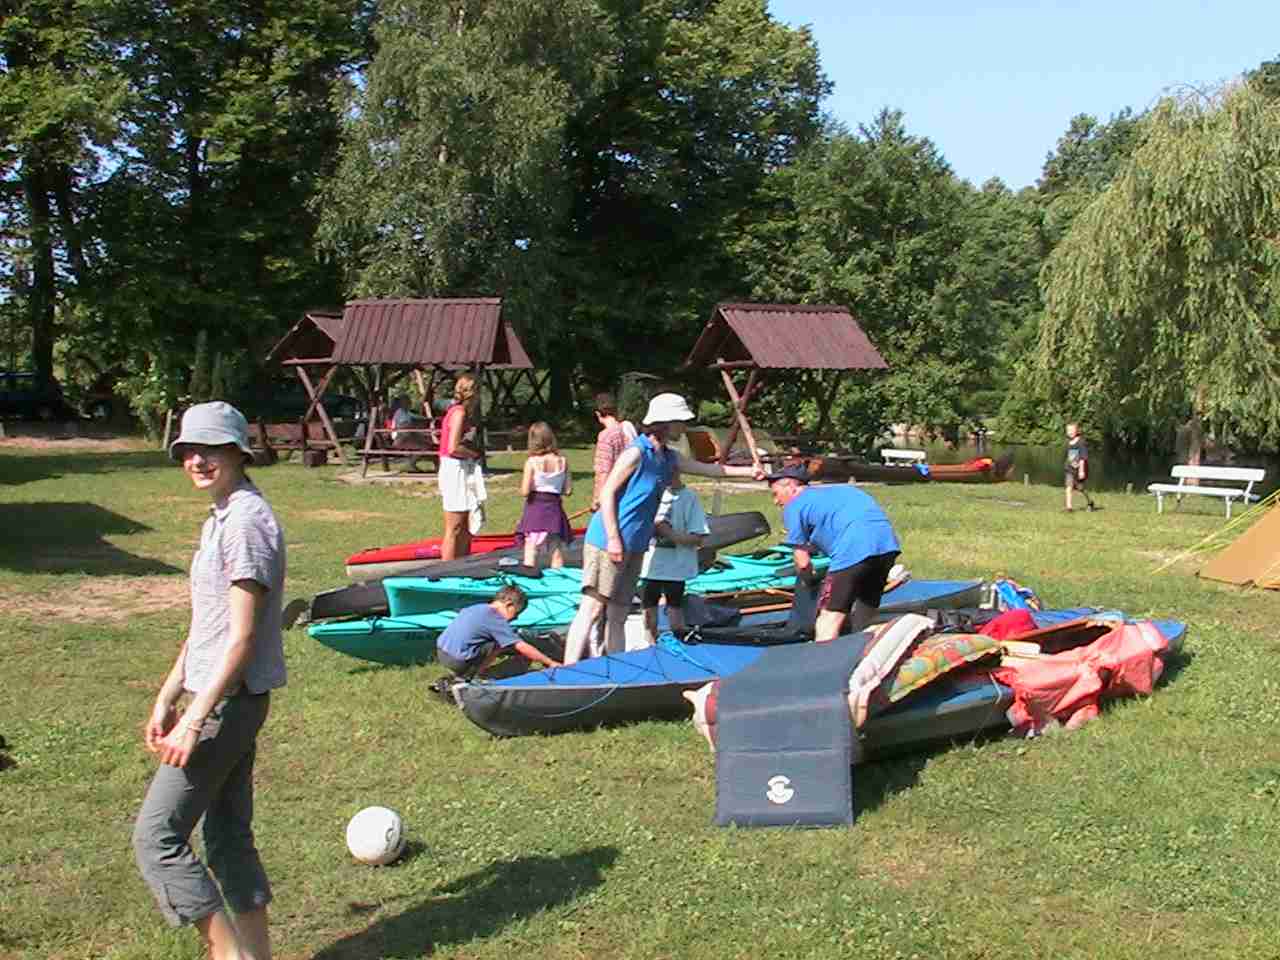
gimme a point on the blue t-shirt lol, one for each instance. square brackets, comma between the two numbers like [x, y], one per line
[638, 501]
[841, 521]
[473, 629]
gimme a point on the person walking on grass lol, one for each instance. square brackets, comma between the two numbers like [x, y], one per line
[1076, 468]
[546, 481]
[232, 659]
[848, 526]
[621, 530]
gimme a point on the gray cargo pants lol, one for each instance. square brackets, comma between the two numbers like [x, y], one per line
[216, 783]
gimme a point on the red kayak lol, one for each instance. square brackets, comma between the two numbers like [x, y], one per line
[378, 562]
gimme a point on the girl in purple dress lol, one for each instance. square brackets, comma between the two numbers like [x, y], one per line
[543, 526]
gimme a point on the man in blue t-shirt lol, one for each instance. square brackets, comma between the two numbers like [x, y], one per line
[849, 527]
[482, 631]
[622, 529]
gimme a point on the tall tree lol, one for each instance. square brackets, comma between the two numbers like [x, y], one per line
[1162, 303]
[204, 221]
[878, 222]
[59, 96]
[576, 157]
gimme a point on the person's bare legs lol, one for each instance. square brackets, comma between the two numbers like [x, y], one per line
[576, 643]
[861, 617]
[255, 940]
[675, 620]
[615, 636]
[221, 940]
[651, 625]
[456, 541]
[1070, 485]
[530, 558]
[828, 625]
[555, 546]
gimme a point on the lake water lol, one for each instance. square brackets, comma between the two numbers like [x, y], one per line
[1108, 469]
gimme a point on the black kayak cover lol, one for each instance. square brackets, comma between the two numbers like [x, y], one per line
[369, 599]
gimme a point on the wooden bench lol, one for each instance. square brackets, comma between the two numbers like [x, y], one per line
[892, 456]
[1184, 472]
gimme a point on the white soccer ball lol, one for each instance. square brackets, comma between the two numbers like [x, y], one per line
[375, 836]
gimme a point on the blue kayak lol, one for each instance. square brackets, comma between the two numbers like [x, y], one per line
[649, 684]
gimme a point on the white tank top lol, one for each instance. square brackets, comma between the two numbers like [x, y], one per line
[550, 482]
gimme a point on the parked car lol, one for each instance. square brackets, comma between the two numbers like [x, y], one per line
[24, 395]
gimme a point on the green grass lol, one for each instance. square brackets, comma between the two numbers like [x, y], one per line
[1150, 833]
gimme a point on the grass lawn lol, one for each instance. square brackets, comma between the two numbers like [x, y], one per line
[1152, 832]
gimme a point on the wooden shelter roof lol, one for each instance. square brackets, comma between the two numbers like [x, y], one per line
[415, 333]
[311, 338]
[785, 337]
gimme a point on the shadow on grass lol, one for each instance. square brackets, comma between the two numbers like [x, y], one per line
[28, 469]
[68, 538]
[477, 905]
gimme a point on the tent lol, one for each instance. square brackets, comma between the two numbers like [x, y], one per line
[1253, 559]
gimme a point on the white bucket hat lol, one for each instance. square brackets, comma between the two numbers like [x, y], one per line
[212, 424]
[666, 407]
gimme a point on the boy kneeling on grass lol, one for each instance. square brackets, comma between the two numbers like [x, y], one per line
[480, 632]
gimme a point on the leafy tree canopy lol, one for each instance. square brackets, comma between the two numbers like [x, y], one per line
[577, 158]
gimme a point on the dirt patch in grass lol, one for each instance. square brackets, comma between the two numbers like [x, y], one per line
[109, 599]
[343, 516]
[53, 440]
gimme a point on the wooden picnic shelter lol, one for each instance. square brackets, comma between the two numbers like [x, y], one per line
[308, 350]
[821, 343]
[430, 340]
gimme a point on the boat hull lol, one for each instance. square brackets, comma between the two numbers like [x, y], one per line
[369, 598]
[401, 558]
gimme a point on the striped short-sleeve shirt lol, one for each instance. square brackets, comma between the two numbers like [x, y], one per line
[241, 540]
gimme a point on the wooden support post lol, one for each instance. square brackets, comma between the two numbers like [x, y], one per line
[168, 429]
[740, 410]
[316, 392]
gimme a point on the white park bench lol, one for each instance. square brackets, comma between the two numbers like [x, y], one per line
[892, 456]
[1184, 472]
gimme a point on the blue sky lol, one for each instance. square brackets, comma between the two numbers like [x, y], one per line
[994, 84]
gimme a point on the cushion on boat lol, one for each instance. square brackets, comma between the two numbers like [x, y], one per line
[933, 658]
[889, 644]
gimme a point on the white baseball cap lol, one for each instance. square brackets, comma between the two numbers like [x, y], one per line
[212, 424]
[666, 407]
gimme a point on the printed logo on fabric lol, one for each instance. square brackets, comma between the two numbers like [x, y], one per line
[779, 790]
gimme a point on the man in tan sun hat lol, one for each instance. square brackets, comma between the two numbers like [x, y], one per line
[621, 530]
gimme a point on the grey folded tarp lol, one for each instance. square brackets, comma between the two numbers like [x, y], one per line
[784, 750]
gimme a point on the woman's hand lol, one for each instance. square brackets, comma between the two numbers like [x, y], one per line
[176, 747]
[614, 549]
[158, 724]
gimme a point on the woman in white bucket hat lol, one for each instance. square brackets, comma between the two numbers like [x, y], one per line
[620, 531]
[232, 658]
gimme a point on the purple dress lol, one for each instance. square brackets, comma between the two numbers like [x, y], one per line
[544, 507]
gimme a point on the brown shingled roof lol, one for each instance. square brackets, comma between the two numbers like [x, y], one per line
[311, 338]
[422, 332]
[785, 336]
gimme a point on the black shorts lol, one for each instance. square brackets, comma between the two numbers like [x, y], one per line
[651, 590]
[863, 581]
